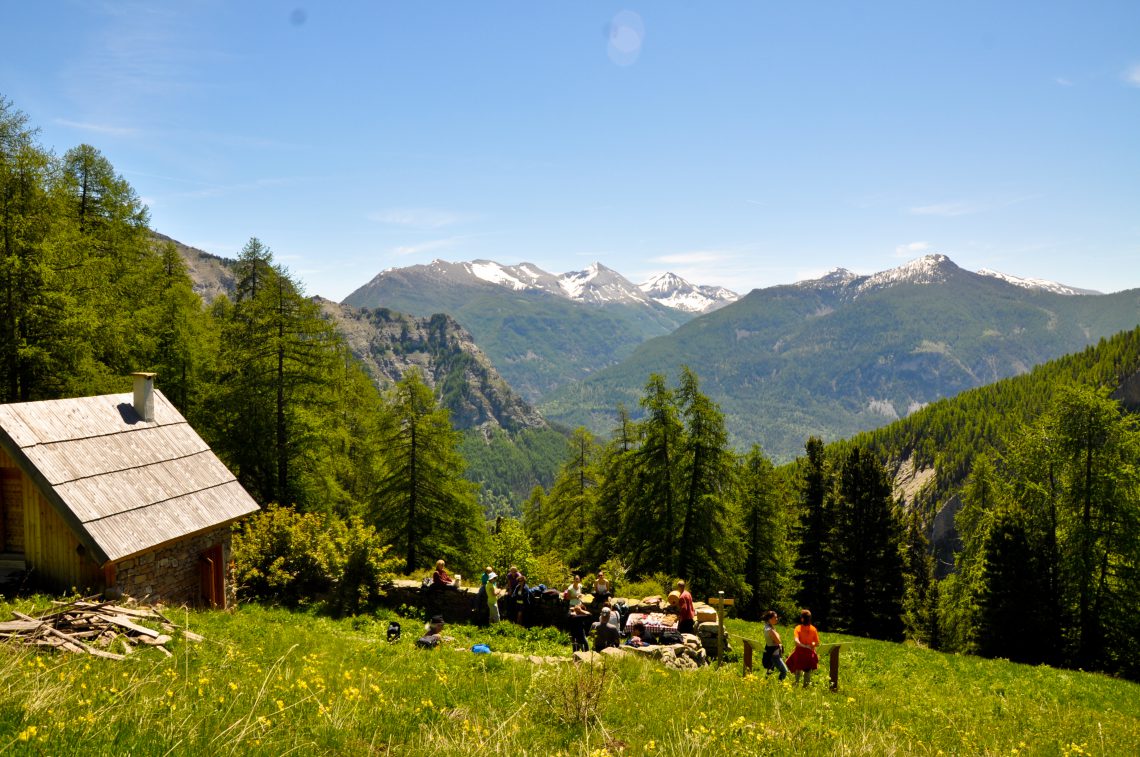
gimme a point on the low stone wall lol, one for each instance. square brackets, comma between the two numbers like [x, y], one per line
[462, 606]
[172, 573]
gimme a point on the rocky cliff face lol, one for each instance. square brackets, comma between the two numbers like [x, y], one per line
[213, 276]
[389, 344]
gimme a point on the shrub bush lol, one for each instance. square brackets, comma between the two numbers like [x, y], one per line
[289, 558]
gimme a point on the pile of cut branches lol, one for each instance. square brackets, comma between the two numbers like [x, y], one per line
[95, 628]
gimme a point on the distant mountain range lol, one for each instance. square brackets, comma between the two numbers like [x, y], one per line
[597, 285]
[847, 353]
[540, 330]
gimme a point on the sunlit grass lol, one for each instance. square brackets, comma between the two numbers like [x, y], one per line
[273, 682]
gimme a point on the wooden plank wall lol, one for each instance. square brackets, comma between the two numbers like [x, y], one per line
[50, 548]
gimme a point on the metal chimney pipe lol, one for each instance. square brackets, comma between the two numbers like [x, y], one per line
[144, 395]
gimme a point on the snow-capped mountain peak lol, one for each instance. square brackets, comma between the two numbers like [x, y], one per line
[672, 291]
[1041, 284]
[929, 269]
[599, 284]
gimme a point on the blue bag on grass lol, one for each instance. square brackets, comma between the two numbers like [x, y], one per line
[481, 649]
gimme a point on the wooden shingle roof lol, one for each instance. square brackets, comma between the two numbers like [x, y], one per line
[125, 485]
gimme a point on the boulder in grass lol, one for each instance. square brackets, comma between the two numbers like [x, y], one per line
[614, 651]
[587, 656]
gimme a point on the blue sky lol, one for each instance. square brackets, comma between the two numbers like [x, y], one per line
[738, 143]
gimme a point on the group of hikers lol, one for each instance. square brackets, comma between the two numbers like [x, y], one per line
[608, 628]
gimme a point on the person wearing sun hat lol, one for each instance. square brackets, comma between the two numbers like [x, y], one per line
[491, 593]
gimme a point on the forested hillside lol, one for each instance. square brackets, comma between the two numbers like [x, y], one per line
[847, 353]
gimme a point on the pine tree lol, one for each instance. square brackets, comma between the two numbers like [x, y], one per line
[274, 382]
[615, 488]
[31, 322]
[920, 613]
[649, 523]
[570, 526]
[709, 546]
[767, 561]
[423, 504]
[868, 570]
[1011, 620]
[813, 569]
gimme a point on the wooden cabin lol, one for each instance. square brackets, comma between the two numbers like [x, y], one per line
[118, 493]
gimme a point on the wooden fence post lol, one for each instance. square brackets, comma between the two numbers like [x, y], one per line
[834, 667]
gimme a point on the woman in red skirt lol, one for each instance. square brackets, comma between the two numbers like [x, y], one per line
[804, 659]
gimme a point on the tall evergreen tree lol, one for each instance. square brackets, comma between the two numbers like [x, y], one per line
[274, 382]
[570, 526]
[767, 559]
[649, 523]
[615, 487]
[423, 504]
[709, 545]
[920, 610]
[868, 570]
[1011, 620]
[32, 325]
[813, 569]
[959, 594]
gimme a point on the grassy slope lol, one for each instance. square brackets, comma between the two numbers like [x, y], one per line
[272, 682]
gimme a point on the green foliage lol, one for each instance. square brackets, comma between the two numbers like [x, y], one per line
[291, 558]
[274, 383]
[813, 563]
[766, 525]
[867, 564]
[549, 569]
[510, 546]
[422, 504]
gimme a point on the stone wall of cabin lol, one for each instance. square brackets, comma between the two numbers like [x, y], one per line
[172, 574]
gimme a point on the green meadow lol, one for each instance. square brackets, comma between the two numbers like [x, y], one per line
[273, 682]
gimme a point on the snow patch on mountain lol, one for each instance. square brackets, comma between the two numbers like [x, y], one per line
[929, 269]
[598, 284]
[1040, 284]
[488, 270]
[672, 291]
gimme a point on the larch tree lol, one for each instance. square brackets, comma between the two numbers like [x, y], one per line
[422, 503]
[709, 545]
[649, 523]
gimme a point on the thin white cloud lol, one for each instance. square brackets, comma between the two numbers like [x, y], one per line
[118, 131]
[694, 257]
[422, 247]
[1062, 81]
[240, 188]
[420, 218]
[946, 209]
[1132, 75]
[911, 249]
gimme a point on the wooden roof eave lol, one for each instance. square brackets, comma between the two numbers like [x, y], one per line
[94, 551]
[156, 547]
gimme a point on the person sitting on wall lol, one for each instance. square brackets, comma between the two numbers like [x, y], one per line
[601, 588]
[605, 634]
[441, 578]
